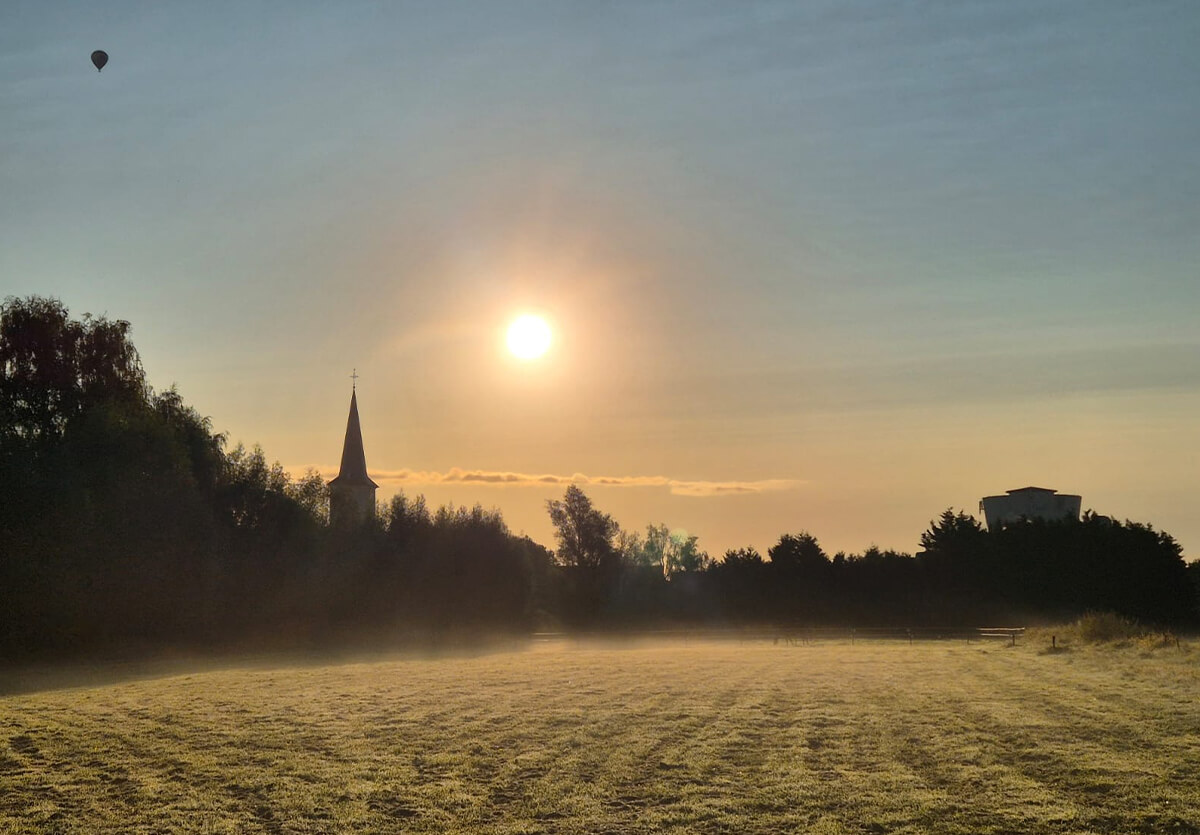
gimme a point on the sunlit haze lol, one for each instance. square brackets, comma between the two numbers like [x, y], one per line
[833, 266]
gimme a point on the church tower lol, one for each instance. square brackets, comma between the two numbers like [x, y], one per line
[352, 493]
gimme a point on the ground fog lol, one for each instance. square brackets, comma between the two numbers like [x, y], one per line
[829, 737]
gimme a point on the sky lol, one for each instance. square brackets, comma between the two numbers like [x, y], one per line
[832, 266]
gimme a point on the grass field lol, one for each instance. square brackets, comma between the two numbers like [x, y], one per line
[715, 737]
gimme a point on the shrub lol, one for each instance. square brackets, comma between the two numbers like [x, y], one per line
[1106, 628]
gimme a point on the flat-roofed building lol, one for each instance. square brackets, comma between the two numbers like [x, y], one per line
[1029, 503]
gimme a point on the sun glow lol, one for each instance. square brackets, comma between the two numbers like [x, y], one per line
[528, 337]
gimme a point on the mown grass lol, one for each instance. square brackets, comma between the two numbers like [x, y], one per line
[715, 737]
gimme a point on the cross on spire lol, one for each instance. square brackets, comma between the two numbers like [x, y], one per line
[354, 380]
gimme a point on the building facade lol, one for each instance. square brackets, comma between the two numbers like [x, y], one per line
[1028, 503]
[352, 493]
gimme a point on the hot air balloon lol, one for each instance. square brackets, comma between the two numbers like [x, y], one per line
[99, 58]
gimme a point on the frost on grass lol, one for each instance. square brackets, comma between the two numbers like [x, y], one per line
[687, 738]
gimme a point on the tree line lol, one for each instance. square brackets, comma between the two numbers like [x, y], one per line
[127, 520]
[964, 575]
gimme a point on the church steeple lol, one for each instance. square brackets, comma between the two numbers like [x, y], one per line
[352, 493]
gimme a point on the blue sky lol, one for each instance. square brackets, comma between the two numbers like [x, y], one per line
[895, 256]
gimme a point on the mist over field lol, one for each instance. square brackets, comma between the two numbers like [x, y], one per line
[674, 736]
[599, 417]
[193, 640]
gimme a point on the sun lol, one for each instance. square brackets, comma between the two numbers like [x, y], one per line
[528, 337]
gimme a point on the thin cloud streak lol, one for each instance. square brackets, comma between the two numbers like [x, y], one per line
[493, 478]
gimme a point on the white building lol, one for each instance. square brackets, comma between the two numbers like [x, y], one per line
[1028, 503]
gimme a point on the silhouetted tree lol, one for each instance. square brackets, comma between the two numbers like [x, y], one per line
[959, 566]
[585, 535]
[742, 584]
[801, 574]
[1193, 570]
[798, 553]
[545, 584]
[953, 534]
[1063, 568]
[407, 522]
[52, 367]
[124, 518]
[880, 587]
[474, 570]
[311, 492]
[205, 449]
[586, 548]
[632, 550]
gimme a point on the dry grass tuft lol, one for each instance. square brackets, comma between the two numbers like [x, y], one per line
[1103, 629]
[1106, 628]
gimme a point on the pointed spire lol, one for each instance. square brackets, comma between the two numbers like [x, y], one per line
[354, 460]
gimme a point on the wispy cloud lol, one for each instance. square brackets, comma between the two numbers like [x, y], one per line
[500, 478]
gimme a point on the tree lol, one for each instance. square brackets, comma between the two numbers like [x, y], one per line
[474, 569]
[802, 574]
[585, 535]
[688, 556]
[741, 559]
[632, 549]
[53, 367]
[675, 551]
[877, 586]
[741, 581]
[1193, 573]
[953, 534]
[407, 521]
[253, 491]
[586, 549]
[204, 448]
[959, 565]
[798, 553]
[658, 548]
[106, 527]
[311, 492]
